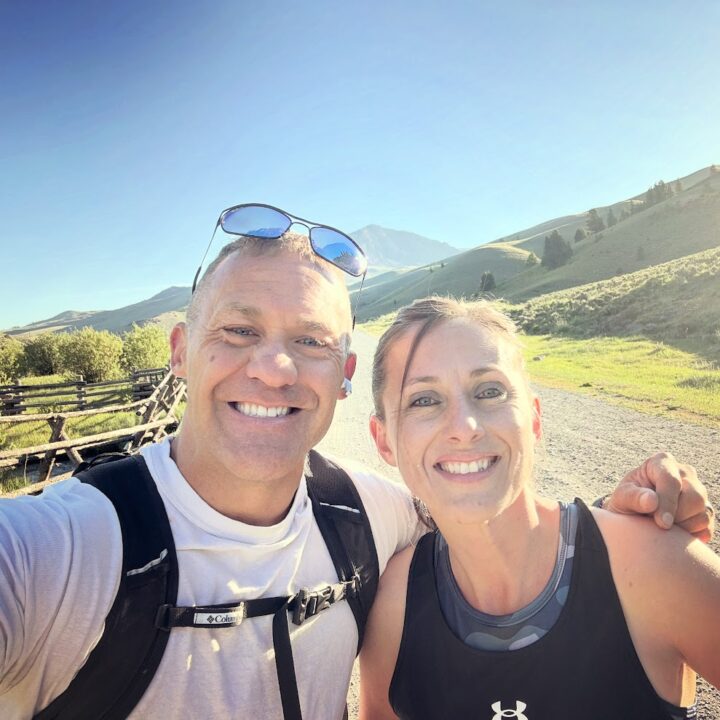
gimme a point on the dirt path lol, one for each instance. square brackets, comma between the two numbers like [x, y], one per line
[588, 445]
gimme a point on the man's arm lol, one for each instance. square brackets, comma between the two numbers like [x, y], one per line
[60, 563]
[667, 490]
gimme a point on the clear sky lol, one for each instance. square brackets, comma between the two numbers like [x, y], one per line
[127, 126]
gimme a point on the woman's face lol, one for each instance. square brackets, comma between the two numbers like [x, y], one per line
[464, 429]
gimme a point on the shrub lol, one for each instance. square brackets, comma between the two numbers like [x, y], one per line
[93, 354]
[11, 354]
[532, 259]
[43, 354]
[144, 347]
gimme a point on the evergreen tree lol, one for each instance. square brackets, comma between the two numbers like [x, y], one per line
[580, 234]
[487, 282]
[594, 222]
[532, 259]
[557, 251]
[611, 219]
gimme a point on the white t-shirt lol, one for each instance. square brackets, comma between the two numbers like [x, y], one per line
[60, 561]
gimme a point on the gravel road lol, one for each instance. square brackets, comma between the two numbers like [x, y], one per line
[588, 445]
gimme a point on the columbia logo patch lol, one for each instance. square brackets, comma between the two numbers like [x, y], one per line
[221, 618]
[517, 713]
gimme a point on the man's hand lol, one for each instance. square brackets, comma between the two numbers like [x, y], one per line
[668, 490]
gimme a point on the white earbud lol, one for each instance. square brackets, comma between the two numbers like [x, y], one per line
[346, 386]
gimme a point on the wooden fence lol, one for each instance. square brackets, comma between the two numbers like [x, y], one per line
[17, 399]
[156, 414]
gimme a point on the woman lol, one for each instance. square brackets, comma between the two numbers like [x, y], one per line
[512, 609]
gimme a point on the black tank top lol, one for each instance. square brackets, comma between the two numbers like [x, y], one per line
[584, 668]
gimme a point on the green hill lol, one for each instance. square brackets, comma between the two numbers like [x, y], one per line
[677, 302]
[684, 224]
[457, 275]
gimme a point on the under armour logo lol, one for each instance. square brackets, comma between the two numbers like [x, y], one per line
[508, 713]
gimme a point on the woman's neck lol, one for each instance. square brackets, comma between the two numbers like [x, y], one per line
[503, 564]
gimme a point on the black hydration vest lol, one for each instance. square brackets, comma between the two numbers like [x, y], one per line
[584, 668]
[123, 663]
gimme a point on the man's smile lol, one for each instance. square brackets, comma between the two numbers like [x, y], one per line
[261, 411]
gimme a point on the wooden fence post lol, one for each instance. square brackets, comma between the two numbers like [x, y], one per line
[81, 393]
[46, 464]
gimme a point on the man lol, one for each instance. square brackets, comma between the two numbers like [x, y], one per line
[265, 351]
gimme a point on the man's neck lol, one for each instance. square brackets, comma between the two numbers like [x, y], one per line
[251, 501]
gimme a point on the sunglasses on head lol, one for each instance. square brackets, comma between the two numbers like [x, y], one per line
[270, 223]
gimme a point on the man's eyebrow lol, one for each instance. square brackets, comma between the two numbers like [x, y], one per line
[240, 308]
[429, 379]
[314, 326]
[254, 313]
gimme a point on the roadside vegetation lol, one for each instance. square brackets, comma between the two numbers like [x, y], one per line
[96, 355]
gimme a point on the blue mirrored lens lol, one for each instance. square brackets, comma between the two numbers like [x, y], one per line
[255, 221]
[338, 249]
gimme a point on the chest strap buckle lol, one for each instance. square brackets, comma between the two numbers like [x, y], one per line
[310, 602]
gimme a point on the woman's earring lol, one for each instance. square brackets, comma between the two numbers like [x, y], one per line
[346, 387]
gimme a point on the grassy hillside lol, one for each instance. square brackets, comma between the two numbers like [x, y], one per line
[165, 308]
[677, 302]
[687, 223]
[458, 275]
[682, 225]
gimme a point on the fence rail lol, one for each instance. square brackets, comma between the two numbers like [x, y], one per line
[16, 398]
[156, 412]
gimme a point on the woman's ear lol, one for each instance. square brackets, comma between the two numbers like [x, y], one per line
[537, 418]
[379, 435]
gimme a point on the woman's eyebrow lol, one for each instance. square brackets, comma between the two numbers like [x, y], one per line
[420, 379]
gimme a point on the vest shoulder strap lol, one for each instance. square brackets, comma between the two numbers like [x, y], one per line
[345, 527]
[105, 688]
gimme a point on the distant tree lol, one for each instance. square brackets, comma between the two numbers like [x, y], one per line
[43, 354]
[532, 259]
[93, 354]
[611, 219]
[657, 193]
[11, 355]
[487, 282]
[144, 347]
[557, 251]
[677, 187]
[580, 234]
[594, 222]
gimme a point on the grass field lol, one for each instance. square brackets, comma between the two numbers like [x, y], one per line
[636, 372]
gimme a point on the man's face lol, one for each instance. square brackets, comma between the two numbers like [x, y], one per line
[264, 362]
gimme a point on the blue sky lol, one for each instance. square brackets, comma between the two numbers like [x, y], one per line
[126, 127]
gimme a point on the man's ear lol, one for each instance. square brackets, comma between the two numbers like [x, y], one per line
[377, 430]
[348, 372]
[350, 364]
[537, 418]
[178, 350]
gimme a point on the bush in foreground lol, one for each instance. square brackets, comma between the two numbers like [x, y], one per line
[93, 354]
[144, 347]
